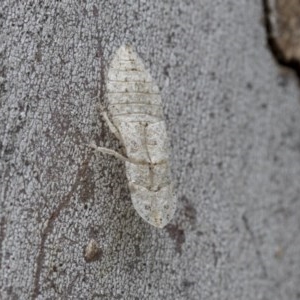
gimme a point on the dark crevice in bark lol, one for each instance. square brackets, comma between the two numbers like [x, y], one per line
[2, 236]
[277, 52]
[50, 226]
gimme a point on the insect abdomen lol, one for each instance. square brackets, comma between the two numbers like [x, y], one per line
[134, 104]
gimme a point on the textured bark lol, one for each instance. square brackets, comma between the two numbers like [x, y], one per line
[68, 228]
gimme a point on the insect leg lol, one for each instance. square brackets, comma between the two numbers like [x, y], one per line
[110, 125]
[115, 154]
[110, 152]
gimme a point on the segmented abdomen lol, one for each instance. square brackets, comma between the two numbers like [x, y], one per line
[132, 95]
[135, 108]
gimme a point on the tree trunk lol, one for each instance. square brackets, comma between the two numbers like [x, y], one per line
[68, 227]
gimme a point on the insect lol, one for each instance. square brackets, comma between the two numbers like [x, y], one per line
[134, 114]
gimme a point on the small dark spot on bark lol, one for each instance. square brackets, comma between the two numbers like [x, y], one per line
[177, 235]
[85, 12]
[189, 210]
[187, 284]
[213, 76]
[190, 165]
[216, 254]
[220, 165]
[18, 128]
[9, 150]
[38, 55]
[166, 70]
[227, 108]
[137, 250]
[282, 80]
[95, 11]
[249, 86]
[99, 52]
[7, 255]
[170, 37]
[264, 106]
[199, 233]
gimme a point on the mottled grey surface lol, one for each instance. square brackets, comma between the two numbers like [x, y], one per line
[233, 119]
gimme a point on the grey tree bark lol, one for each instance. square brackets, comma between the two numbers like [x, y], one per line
[68, 228]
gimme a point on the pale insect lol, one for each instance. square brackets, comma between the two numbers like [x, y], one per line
[135, 109]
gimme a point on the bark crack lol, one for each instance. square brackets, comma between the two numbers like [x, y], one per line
[2, 236]
[50, 226]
